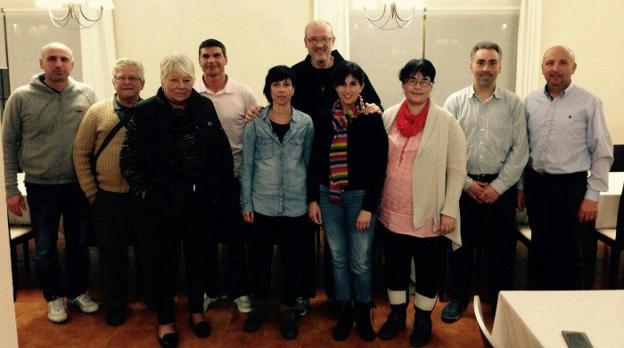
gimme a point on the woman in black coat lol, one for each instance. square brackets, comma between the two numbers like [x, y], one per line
[177, 160]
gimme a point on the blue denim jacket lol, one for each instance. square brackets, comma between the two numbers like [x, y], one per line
[273, 174]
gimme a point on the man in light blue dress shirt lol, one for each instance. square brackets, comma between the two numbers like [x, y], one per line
[568, 138]
[493, 120]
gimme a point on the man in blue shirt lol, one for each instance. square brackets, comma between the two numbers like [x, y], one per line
[493, 120]
[568, 137]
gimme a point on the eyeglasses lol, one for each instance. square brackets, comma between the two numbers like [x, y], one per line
[423, 83]
[319, 40]
[127, 78]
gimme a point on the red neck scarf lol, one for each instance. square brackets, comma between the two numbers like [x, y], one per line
[410, 124]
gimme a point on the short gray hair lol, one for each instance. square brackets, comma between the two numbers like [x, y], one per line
[129, 62]
[486, 45]
[177, 63]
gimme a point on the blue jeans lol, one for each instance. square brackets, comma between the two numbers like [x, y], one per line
[47, 203]
[351, 249]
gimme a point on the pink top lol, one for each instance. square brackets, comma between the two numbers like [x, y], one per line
[396, 209]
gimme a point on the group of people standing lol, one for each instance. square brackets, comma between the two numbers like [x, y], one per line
[200, 163]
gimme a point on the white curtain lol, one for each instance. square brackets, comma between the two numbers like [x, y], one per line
[528, 59]
[336, 12]
[98, 55]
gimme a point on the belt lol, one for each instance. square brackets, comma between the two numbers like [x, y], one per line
[483, 177]
[562, 177]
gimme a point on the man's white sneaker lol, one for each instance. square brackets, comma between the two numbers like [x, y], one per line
[208, 301]
[56, 310]
[243, 304]
[84, 304]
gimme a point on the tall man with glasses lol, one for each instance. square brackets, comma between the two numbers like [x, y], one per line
[314, 94]
[231, 100]
[38, 127]
[568, 137]
[115, 211]
[493, 121]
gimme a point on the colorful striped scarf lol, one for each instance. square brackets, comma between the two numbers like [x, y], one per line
[338, 164]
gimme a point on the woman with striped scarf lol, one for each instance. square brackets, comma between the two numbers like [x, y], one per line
[346, 175]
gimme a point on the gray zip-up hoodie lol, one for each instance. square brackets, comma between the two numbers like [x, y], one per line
[38, 131]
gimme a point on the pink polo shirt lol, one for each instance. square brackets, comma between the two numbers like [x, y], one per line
[396, 209]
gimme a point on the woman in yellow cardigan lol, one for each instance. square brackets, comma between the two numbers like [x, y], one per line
[419, 209]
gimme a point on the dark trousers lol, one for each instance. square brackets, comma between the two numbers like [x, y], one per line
[286, 232]
[556, 257]
[47, 204]
[490, 229]
[174, 224]
[428, 255]
[233, 233]
[116, 221]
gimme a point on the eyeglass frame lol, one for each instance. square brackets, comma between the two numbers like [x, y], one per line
[322, 40]
[423, 83]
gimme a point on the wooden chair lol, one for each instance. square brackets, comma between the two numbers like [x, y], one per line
[614, 238]
[523, 229]
[486, 336]
[20, 235]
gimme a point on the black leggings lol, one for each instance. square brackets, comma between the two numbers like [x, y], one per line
[428, 254]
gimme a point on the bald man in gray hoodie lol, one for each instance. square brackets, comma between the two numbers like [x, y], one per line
[39, 126]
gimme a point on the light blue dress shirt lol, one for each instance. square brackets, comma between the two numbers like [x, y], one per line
[495, 132]
[569, 134]
[273, 173]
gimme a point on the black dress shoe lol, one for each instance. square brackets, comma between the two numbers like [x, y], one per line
[255, 319]
[115, 317]
[169, 340]
[201, 329]
[288, 326]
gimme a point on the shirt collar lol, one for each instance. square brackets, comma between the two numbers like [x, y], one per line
[496, 95]
[227, 89]
[118, 106]
[563, 93]
[264, 115]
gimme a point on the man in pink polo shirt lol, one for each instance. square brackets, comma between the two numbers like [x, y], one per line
[231, 100]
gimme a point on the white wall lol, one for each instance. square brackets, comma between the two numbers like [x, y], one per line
[594, 30]
[257, 34]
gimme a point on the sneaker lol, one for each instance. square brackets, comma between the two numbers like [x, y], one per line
[452, 311]
[208, 301]
[302, 305]
[56, 310]
[84, 304]
[243, 304]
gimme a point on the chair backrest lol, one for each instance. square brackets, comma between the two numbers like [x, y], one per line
[486, 337]
[619, 227]
[618, 158]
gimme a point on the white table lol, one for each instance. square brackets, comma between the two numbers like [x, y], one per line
[609, 201]
[536, 318]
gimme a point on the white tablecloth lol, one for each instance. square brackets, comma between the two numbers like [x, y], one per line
[536, 318]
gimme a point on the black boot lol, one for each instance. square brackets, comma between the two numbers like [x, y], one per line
[363, 321]
[288, 325]
[395, 322]
[345, 321]
[422, 328]
[256, 317]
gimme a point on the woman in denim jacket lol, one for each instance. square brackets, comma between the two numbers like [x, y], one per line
[276, 151]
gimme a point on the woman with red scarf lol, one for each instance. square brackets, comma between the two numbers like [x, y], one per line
[419, 210]
[345, 178]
